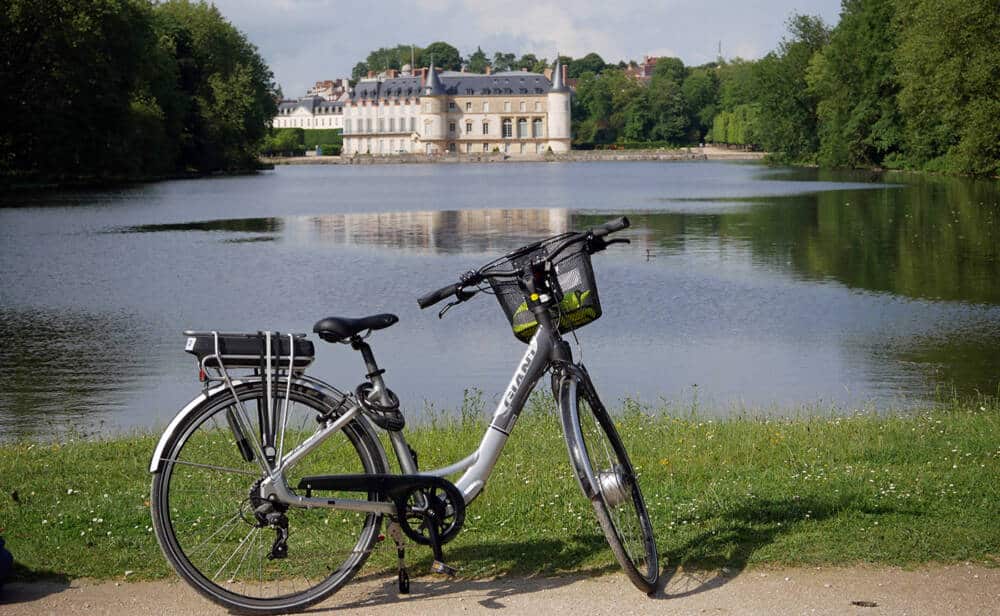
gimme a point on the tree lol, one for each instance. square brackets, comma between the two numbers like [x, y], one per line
[590, 62]
[478, 62]
[855, 81]
[503, 61]
[359, 71]
[947, 59]
[701, 93]
[788, 109]
[443, 55]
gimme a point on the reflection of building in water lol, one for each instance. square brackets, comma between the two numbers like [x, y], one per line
[447, 231]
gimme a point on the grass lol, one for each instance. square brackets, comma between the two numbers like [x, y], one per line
[902, 489]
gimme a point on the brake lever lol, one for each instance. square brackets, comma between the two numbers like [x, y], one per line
[598, 244]
[461, 296]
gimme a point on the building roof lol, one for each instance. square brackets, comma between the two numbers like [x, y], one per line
[433, 86]
[311, 103]
[557, 78]
[456, 84]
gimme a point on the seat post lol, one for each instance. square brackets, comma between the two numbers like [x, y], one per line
[374, 372]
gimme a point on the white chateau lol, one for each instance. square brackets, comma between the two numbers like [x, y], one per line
[436, 112]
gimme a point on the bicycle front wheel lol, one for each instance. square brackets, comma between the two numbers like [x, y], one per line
[608, 479]
[212, 524]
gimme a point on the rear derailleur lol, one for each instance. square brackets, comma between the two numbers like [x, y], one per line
[266, 514]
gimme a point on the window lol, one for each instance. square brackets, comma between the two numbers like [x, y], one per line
[538, 105]
[451, 148]
[468, 128]
[468, 106]
[451, 127]
[486, 107]
[486, 128]
[392, 125]
[522, 148]
[523, 106]
[506, 148]
[486, 147]
[381, 127]
[413, 124]
[506, 105]
[468, 148]
[451, 106]
[522, 128]
[368, 126]
[507, 128]
[536, 127]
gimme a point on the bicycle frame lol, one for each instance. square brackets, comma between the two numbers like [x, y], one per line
[543, 350]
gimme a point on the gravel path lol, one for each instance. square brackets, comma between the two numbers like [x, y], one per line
[940, 590]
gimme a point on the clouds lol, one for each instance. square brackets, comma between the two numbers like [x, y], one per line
[307, 40]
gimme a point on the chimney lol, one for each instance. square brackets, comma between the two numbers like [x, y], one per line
[489, 69]
[564, 73]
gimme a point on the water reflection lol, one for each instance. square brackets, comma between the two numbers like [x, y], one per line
[447, 231]
[66, 371]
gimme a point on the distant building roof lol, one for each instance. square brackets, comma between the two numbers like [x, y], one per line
[507, 83]
[310, 103]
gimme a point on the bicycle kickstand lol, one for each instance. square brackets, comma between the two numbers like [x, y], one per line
[397, 536]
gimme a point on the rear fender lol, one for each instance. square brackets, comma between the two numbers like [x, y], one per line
[315, 385]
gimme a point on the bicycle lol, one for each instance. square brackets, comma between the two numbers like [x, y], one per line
[224, 508]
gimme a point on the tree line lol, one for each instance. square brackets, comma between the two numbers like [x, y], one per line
[896, 83]
[128, 88]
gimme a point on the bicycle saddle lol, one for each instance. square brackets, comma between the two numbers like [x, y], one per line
[338, 329]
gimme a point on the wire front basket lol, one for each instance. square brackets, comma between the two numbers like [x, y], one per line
[580, 303]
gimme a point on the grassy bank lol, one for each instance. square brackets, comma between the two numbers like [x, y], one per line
[899, 490]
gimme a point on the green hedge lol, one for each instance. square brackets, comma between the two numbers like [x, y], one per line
[315, 137]
[636, 145]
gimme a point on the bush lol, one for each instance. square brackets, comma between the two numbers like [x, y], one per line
[330, 149]
[314, 137]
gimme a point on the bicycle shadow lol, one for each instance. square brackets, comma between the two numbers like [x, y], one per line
[713, 559]
[510, 577]
[31, 584]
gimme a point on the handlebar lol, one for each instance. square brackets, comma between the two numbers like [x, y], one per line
[474, 278]
[434, 297]
[612, 226]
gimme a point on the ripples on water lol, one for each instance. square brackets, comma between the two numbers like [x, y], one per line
[743, 288]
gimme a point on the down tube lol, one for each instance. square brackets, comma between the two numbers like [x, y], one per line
[531, 368]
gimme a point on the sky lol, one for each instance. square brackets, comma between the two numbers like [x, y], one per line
[304, 41]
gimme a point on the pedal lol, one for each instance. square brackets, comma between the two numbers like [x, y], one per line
[439, 567]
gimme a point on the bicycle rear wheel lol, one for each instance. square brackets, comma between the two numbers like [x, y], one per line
[204, 509]
[608, 479]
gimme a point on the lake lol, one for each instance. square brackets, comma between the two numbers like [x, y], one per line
[745, 288]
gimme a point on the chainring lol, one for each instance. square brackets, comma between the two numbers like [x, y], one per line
[441, 505]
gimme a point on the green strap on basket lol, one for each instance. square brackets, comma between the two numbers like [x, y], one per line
[573, 313]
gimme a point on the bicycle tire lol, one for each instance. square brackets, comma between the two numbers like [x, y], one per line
[608, 480]
[201, 496]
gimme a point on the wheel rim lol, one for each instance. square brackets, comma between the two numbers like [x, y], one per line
[207, 518]
[615, 485]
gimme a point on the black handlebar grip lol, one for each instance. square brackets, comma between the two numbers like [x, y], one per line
[611, 226]
[435, 296]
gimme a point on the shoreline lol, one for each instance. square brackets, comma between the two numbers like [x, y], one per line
[707, 153]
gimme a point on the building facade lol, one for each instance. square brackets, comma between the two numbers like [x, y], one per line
[432, 112]
[310, 111]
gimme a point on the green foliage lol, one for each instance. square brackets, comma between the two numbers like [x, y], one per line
[317, 136]
[478, 62]
[589, 63]
[126, 88]
[947, 58]
[855, 80]
[788, 109]
[443, 55]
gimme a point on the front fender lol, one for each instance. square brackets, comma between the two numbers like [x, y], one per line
[154, 464]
